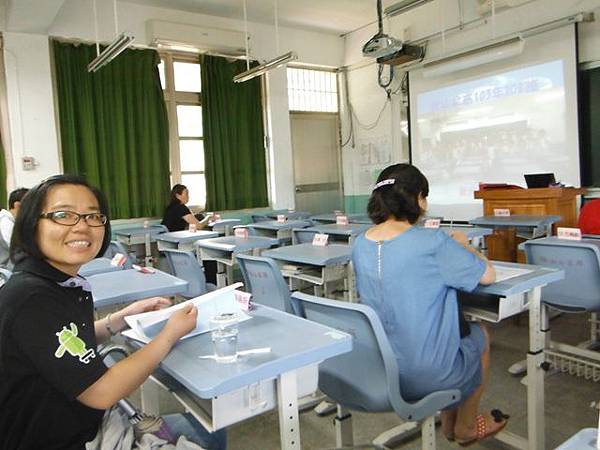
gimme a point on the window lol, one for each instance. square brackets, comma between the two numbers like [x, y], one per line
[181, 82]
[312, 90]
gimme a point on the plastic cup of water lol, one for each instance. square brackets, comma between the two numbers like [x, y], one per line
[224, 337]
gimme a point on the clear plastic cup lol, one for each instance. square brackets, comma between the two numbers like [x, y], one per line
[224, 337]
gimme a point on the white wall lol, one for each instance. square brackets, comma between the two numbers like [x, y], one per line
[30, 106]
[75, 20]
[428, 19]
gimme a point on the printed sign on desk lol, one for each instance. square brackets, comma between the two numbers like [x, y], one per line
[192, 228]
[337, 212]
[281, 218]
[341, 220]
[243, 298]
[320, 239]
[432, 223]
[241, 233]
[573, 234]
[118, 260]
[500, 212]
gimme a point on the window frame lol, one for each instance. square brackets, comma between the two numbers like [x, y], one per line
[174, 98]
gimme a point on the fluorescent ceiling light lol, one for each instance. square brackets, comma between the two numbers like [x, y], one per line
[473, 57]
[403, 6]
[263, 68]
[115, 48]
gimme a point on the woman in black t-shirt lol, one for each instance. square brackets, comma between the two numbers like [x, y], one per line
[178, 217]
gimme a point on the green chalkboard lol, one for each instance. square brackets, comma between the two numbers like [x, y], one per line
[589, 138]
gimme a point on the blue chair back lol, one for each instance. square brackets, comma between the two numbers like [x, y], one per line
[264, 280]
[367, 378]
[579, 291]
[116, 247]
[301, 236]
[184, 265]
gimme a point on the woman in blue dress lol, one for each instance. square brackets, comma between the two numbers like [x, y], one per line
[409, 276]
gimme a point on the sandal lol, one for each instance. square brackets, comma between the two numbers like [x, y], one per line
[482, 429]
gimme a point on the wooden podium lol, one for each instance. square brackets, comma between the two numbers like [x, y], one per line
[502, 245]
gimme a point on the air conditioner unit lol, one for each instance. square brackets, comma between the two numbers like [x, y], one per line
[191, 37]
[485, 6]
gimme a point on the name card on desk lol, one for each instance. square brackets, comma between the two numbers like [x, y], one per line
[192, 228]
[243, 299]
[241, 233]
[118, 260]
[281, 218]
[143, 269]
[432, 223]
[572, 234]
[500, 212]
[338, 212]
[214, 219]
[320, 239]
[341, 220]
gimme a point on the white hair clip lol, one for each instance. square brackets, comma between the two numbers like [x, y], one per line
[385, 183]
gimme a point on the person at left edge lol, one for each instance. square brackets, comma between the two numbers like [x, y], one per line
[54, 389]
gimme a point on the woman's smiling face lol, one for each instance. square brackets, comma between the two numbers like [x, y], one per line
[68, 247]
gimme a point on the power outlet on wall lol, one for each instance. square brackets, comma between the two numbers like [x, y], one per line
[29, 163]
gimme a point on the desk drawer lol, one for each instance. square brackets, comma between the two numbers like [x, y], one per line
[492, 308]
[249, 401]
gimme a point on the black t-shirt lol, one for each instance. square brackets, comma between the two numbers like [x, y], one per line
[48, 357]
[173, 218]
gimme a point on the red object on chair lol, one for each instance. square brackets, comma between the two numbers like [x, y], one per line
[589, 217]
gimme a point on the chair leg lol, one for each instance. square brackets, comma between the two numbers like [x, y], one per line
[344, 436]
[428, 433]
[391, 438]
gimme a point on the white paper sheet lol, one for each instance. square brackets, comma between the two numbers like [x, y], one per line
[145, 326]
[505, 273]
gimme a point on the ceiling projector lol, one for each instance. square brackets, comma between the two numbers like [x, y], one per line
[381, 45]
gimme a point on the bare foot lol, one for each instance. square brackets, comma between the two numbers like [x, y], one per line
[485, 425]
[448, 423]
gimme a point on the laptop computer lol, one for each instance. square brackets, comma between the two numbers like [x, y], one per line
[539, 180]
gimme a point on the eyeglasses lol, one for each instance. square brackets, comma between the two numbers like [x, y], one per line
[70, 218]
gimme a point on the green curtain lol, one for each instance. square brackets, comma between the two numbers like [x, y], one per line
[114, 127]
[232, 120]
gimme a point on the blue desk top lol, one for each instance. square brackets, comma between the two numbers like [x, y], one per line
[276, 226]
[584, 440]
[96, 266]
[332, 218]
[538, 276]
[129, 285]
[235, 244]
[294, 343]
[593, 244]
[352, 229]
[153, 230]
[514, 221]
[181, 237]
[471, 232]
[225, 222]
[312, 254]
[291, 215]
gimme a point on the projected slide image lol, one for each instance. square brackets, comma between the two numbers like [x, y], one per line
[492, 130]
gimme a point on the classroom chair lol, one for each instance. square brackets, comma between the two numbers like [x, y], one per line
[117, 247]
[367, 378]
[301, 235]
[263, 279]
[184, 265]
[578, 292]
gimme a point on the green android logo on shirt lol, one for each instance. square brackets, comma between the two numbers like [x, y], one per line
[69, 342]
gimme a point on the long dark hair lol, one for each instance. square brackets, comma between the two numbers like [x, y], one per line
[23, 242]
[175, 191]
[400, 196]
